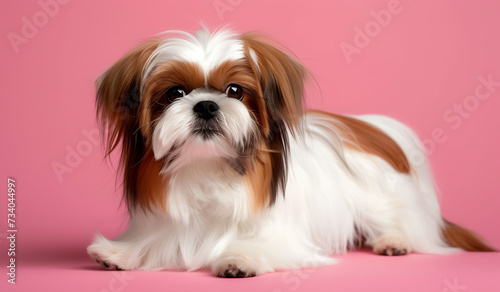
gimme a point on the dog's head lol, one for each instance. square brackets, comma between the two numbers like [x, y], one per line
[215, 96]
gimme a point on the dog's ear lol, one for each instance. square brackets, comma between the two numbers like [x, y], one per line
[118, 93]
[282, 86]
[282, 80]
[118, 106]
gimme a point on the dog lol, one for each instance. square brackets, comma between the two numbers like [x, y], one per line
[223, 168]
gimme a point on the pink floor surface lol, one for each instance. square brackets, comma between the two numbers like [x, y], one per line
[70, 269]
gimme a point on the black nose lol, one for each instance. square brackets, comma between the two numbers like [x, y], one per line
[206, 109]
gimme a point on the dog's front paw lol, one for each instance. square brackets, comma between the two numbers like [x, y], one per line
[108, 266]
[233, 271]
[112, 256]
[234, 267]
[391, 246]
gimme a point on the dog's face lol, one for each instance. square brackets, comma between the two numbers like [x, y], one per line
[202, 101]
[221, 96]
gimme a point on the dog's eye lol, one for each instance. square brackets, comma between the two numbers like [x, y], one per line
[175, 93]
[234, 91]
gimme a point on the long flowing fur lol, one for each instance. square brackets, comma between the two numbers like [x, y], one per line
[266, 186]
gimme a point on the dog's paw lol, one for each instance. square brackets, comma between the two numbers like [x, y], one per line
[393, 252]
[234, 267]
[111, 255]
[233, 271]
[108, 266]
[391, 246]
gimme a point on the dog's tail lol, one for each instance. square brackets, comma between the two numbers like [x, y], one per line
[463, 238]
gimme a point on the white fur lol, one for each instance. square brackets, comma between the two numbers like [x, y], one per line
[333, 195]
[209, 219]
[205, 49]
[175, 126]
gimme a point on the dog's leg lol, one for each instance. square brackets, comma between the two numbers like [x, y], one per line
[111, 255]
[237, 266]
[382, 228]
[256, 256]
[391, 245]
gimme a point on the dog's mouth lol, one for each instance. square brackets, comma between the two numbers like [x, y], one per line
[206, 134]
[207, 129]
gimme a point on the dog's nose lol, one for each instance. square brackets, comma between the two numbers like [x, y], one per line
[206, 109]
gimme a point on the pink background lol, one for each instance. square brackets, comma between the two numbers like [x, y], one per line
[415, 68]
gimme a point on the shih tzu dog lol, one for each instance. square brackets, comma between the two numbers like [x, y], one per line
[224, 170]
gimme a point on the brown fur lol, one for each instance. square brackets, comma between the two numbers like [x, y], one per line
[151, 185]
[118, 92]
[258, 177]
[458, 236]
[364, 137]
[118, 102]
[281, 81]
[173, 73]
[242, 73]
